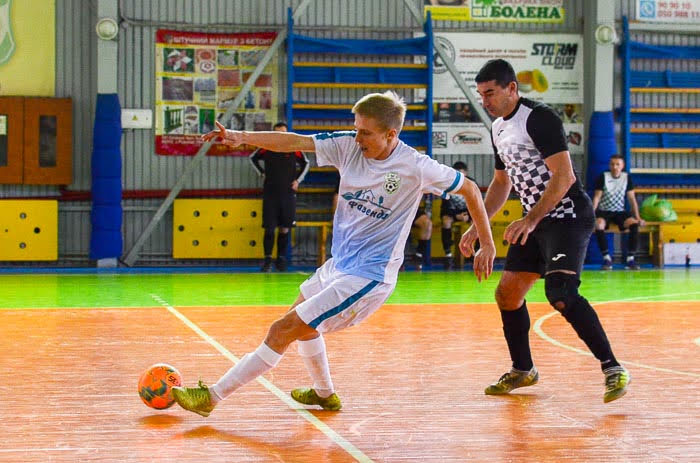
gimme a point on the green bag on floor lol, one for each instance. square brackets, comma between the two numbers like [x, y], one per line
[657, 210]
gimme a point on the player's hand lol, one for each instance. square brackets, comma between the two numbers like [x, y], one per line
[483, 261]
[518, 231]
[642, 222]
[295, 185]
[466, 243]
[231, 138]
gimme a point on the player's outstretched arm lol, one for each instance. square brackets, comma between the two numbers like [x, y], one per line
[273, 141]
[483, 259]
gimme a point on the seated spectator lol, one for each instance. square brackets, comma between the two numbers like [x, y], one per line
[453, 208]
[611, 189]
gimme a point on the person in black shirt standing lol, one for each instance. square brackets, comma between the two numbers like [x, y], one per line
[611, 189]
[282, 173]
[551, 239]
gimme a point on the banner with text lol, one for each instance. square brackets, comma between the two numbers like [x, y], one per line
[684, 11]
[549, 68]
[198, 75]
[28, 48]
[537, 11]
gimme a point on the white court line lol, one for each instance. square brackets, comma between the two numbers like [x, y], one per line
[320, 425]
[538, 329]
[47, 449]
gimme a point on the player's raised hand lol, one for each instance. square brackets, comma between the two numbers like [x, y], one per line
[219, 132]
[227, 137]
[466, 243]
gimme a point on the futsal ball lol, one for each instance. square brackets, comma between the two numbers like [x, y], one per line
[155, 384]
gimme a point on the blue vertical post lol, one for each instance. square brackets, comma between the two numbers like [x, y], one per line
[290, 69]
[428, 29]
[625, 51]
[106, 215]
[290, 101]
[429, 90]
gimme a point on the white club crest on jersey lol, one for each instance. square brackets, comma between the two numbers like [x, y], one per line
[392, 183]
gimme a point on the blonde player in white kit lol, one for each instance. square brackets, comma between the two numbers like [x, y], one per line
[381, 183]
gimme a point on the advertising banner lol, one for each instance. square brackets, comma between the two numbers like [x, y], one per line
[537, 11]
[549, 68]
[28, 47]
[680, 11]
[198, 75]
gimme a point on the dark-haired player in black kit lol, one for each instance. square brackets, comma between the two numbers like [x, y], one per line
[550, 241]
[282, 172]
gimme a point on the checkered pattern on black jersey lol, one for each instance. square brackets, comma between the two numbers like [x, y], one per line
[614, 190]
[530, 175]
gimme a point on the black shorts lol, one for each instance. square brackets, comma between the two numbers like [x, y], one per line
[447, 210]
[555, 244]
[279, 209]
[618, 218]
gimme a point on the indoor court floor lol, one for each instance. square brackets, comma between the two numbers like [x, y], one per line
[411, 377]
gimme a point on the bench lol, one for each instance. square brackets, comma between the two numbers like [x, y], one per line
[656, 238]
[654, 229]
[324, 228]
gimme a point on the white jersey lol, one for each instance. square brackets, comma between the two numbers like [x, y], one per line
[377, 202]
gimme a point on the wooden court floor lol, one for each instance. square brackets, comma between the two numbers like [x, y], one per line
[411, 379]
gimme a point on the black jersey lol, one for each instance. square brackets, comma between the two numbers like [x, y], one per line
[279, 169]
[521, 142]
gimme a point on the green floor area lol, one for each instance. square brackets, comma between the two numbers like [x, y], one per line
[227, 289]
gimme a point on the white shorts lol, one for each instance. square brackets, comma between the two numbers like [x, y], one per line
[336, 300]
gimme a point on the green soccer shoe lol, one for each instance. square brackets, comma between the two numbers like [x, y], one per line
[616, 381]
[194, 399]
[513, 380]
[308, 396]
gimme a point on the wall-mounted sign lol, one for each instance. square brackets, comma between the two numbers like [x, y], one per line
[679, 11]
[198, 75]
[538, 11]
[27, 47]
[549, 68]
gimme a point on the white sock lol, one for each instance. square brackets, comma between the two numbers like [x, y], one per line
[607, 257]
[247, 369]
[314, 354]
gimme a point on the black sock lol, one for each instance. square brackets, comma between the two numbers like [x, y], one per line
[422, 248]
[447, 240]
[268, 241]
[602, 241]
[516, 325]
[282, 243]
[634, 239]
[585, 322]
